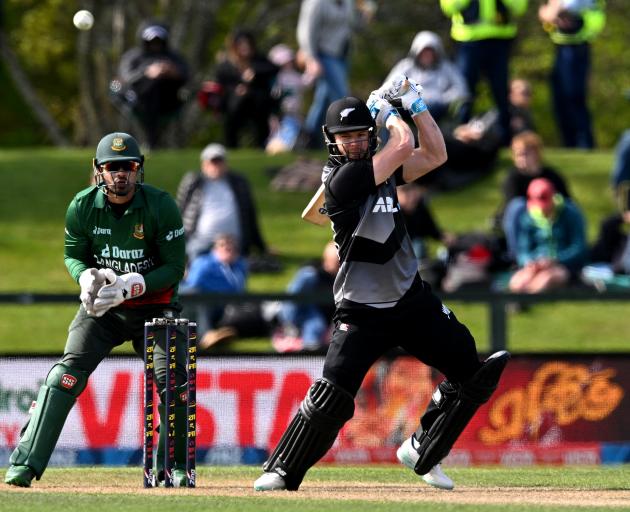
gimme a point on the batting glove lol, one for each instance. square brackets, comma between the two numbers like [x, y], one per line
[91, 280]
[405, 89]
[380, 109]
[117, 290]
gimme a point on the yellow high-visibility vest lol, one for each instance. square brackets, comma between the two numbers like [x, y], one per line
[473, 20]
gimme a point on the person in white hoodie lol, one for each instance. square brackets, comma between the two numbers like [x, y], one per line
[444, 85]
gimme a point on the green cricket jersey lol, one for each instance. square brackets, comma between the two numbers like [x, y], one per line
[148, 239]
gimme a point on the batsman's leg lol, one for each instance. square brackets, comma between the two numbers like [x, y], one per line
[451, 407]
[55, 400]
[311, 433]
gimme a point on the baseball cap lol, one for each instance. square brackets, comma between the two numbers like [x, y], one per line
[540, 193]
[348, 114]
[118, 146]
[155, 32]
[212, 151]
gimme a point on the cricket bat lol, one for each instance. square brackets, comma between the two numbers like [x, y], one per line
[311, 213]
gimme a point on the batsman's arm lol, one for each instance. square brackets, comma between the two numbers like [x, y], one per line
[430, 153]
[396, 152]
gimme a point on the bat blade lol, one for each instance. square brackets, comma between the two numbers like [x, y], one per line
[312, 211]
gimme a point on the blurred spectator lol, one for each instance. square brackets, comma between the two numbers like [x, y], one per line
[444, 86]
[222, 269]
[484, 31]
[217, 201]
[324, 32]
[306, 326]
[550, 241]
[621, 168]
[419, 219]
[528, 165]
[150, 81]
[611, 252]
[245, 77]
[520, 107]
[472, 150]
[288, 92]
[572, 24]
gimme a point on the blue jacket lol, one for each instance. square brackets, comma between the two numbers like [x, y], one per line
[562, 239]
[208, 274]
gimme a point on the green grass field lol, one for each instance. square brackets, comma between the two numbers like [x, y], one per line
[39, 183]
[328, 488]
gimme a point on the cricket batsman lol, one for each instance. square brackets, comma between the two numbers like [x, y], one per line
[124, 246]
[380, 299]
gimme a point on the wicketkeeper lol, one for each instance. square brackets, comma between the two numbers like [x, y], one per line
[381, 301]
[124, 245]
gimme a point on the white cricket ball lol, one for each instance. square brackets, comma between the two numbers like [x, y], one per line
[83, 20]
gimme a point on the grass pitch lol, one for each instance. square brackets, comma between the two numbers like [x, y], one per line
[328, 488]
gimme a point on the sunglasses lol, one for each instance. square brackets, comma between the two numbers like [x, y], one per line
[122, 165]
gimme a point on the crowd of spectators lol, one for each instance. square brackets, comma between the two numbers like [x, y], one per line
[537, 238]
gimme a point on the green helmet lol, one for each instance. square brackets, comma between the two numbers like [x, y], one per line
[118, 146]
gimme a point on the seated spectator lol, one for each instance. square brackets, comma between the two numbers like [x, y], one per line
[288, 92]
[528, 165]
[419, 219]
[550, 241]
[222, 269]
[520, 106]
[621, 169]
[610, 255]
[217, 201]
[245, 77]
[150, 81]
[472, 150]
[445, 89]
[307, 326]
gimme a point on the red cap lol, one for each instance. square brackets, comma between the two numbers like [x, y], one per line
[540, 193]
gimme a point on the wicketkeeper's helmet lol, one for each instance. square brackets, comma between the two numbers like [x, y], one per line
[117, 147]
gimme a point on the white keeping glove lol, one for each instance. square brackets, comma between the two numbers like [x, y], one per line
[380, 109]
[117, 290]
[405, 89]
[91, 280]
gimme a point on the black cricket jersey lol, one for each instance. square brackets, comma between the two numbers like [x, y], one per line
[378, 265]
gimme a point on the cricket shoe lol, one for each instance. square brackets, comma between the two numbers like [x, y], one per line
[270, 482]
[408, 456]
[20, 476]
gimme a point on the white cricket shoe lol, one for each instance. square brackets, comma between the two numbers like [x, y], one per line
[270, 482]
[408, 456]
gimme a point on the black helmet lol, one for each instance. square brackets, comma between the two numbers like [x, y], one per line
[346, 115]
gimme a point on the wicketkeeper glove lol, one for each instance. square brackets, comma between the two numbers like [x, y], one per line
[380, 109]
[117, 290]
[91, 280]
[405, 89]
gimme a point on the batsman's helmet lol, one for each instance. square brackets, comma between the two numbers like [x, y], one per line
[117, 147]
[347, 115]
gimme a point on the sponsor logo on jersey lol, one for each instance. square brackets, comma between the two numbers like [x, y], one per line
[174, 234]
[118, 144]
[123, 254]
[384, 205]
[68, 381]
[101, 231]
[138, 231]
[345, 112]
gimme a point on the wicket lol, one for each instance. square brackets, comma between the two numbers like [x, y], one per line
[170, 326]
